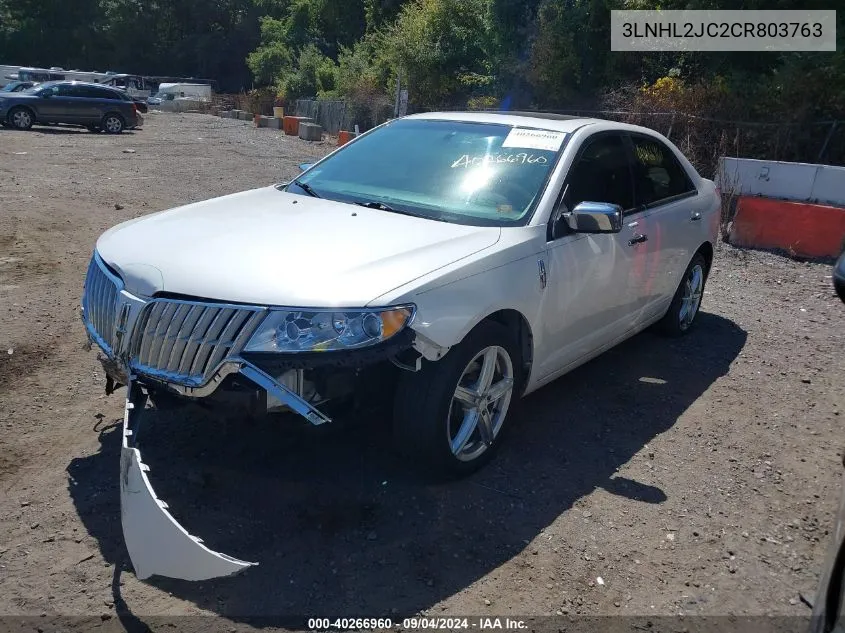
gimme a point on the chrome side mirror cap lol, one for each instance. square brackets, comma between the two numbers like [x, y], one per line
[595, 217]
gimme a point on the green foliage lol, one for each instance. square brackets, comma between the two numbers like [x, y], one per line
[443, 49]
[273, 58]
[552, 54]
[314, 76]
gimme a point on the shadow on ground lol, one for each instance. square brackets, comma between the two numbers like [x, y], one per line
[56, 129]
[337, 524]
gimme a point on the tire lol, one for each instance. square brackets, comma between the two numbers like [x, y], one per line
[21, 118]
[94, 129]
[678, 319]
[113, 123]
[441, 433]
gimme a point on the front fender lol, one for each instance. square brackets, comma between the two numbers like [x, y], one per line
[446, 314]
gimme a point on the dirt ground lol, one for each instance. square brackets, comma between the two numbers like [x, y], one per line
[696, 476]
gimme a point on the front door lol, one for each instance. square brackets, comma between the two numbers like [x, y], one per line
[589, 300]
[61, 104]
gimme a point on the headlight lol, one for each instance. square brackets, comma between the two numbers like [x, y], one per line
[327, 330]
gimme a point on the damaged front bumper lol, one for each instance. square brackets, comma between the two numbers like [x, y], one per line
[156, 543]
[189, 348]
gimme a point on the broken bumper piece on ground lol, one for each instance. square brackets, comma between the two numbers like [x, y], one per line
[157, 544]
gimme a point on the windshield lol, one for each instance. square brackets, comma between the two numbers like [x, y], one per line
[469, 173]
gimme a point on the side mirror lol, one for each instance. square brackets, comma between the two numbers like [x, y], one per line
[305, 166]
[595, 217]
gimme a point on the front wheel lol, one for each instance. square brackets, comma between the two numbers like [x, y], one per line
[683, 310]
[113, 124]
[21, 118]
[449, 416]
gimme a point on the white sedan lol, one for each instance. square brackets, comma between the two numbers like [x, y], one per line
[466, 258]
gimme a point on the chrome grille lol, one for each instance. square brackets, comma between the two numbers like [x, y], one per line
[99, 299]
[185, 341]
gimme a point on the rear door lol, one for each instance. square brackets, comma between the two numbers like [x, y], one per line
[667, 214]
[84, 104]
[101, 101]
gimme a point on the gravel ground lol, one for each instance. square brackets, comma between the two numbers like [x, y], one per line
[695, 476]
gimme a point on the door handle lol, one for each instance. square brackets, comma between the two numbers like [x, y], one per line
[695, 217]
[638, 239]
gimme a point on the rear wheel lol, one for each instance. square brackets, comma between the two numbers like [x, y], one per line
[113, 124]
[449, 417]
[683, 310]
[21, 118]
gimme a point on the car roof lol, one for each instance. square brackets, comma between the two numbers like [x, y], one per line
[544, 120]
[541, 120]
[73, 82]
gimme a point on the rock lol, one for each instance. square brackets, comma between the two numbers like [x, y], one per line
[34, 525]
[117, 206]
[487, 602]
[806, 381]
[129, 151]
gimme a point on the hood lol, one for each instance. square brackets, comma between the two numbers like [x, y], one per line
[268, 247]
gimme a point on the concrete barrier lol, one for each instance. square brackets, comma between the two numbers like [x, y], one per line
[343, 137]
[274, 123]
[244, 116]
[805, 182]
[805, 230]
[291, 124]
[310, 132]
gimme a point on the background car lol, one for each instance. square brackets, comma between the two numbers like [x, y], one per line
[90, 105]
[829, 605]
[17, 86]
[839, 276]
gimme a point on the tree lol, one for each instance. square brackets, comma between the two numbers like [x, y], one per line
[444, 49]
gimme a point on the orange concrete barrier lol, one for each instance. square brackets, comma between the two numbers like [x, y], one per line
[343, 137]
[290, 124]
[807, 230]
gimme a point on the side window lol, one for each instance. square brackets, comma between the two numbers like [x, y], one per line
[657, 173]
[602, 173]
[64, 90]
[75, 91]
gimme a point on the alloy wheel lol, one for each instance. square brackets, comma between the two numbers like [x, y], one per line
[480, 403]
[691, 300]
[21, 119]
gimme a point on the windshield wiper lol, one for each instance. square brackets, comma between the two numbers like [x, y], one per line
[307, 189]
[381, 206]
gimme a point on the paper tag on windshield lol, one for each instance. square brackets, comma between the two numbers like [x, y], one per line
[534, 139]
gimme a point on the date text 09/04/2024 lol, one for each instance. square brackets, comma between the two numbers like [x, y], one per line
[417, 623]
